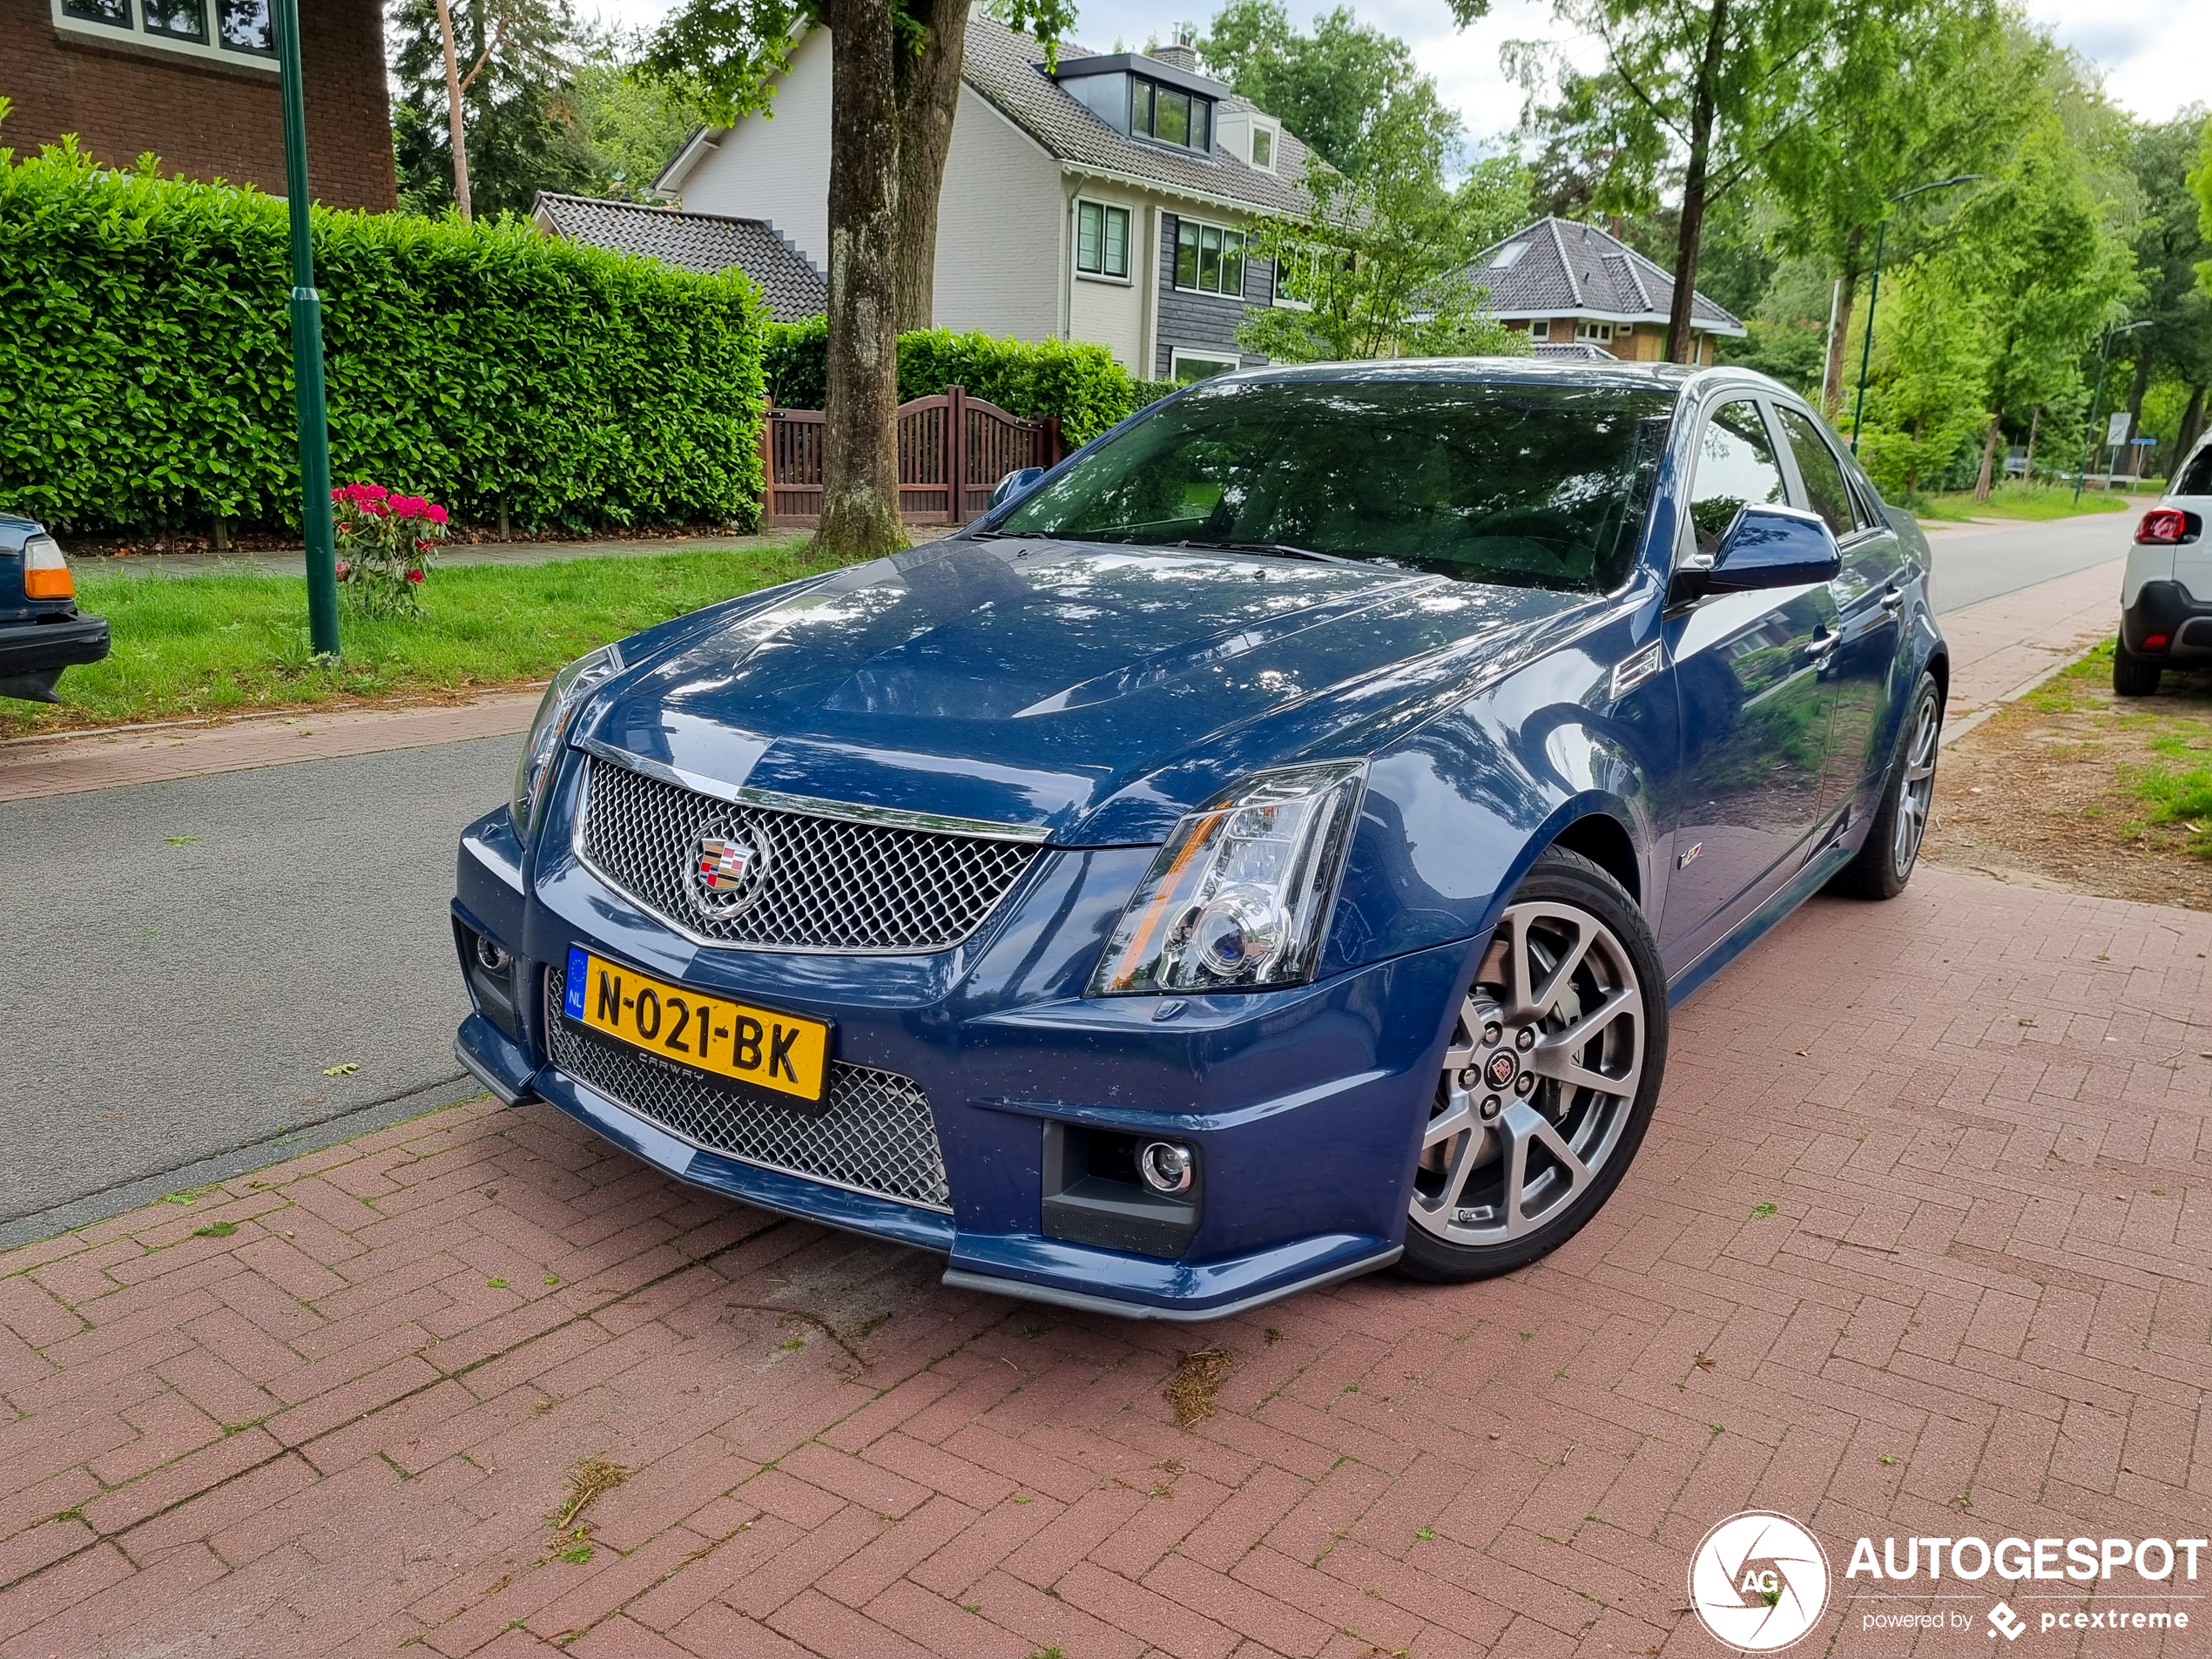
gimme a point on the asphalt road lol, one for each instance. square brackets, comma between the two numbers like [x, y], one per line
[168, 1006]
[1978, 562]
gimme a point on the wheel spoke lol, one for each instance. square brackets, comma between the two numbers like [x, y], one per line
[1563, 971]
[1558, 1055]
[1455, 1178]
[1455, 1117]
[1523, 1128]
[1521, 1000]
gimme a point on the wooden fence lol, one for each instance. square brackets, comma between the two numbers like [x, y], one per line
[953, 450]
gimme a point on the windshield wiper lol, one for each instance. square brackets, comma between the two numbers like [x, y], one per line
[1280, 549]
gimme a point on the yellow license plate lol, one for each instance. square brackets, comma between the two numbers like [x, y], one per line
[758, 1046]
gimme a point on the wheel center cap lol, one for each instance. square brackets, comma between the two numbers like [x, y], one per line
[1500, 1070]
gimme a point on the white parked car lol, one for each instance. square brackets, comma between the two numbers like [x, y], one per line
[2165, 597]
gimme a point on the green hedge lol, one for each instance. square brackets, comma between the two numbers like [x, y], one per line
[146, 365]
[1081, 384]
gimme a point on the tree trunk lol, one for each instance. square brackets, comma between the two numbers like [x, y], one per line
[2028, 471]
[859, 438]
[2192, 425]
[1693, 189]
[1988, 456]
[929, 95]
[454, 126]
[2138, 391]
[1832, 393]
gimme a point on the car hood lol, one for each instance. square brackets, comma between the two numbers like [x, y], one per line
[1091, 690]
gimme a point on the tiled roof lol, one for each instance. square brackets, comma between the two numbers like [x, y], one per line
[704, 242]
[1572, 351]
[1567, 269]
[1007, 69]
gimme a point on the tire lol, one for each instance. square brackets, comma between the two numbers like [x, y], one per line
[1570, 1143]
[1886, 862]
[2132, 675]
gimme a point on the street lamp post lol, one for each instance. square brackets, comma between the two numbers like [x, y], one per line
[2104, 357]
[1874, 290]
[306, 349]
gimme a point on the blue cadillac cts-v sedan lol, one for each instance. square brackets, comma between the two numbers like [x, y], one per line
[1263, 850]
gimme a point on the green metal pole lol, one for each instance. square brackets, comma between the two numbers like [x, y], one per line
[2104, 356]
[306, 350]
[1866, 349]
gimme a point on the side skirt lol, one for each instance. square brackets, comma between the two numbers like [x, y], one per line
[1818, 870]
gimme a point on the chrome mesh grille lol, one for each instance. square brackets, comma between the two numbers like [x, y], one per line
[826, 883]
[875, 1136]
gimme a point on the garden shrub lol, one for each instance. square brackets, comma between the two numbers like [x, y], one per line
[1080, 384]
[145, 362]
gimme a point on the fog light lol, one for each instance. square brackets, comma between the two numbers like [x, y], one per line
[494, 959]
[1166, 1166]
[2156, 642]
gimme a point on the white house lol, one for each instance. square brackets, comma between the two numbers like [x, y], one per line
[1107, 199]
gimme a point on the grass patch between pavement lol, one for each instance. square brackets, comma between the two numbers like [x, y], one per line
[2031, 501]
[236, 642]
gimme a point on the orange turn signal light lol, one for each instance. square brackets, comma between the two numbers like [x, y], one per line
[46, 572]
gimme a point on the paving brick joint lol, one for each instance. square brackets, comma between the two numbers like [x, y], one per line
[1919, 1244]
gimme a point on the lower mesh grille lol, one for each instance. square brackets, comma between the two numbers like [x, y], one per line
[875, 1136]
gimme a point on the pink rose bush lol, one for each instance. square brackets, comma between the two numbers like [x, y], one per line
[386, 542]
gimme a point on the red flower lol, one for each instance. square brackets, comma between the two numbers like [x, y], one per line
[435, 513]
[414, 576]
[371, 492]
[345, 570]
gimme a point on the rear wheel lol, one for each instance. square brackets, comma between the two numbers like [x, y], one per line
[1549, 1081]
[1885, 863]
[2132, 675]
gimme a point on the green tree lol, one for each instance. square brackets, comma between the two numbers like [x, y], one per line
[523, 133]
[2168, 246]
[633, 122]
[1932, 367]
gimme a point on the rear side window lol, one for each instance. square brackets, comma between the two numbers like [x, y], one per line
[2196, 474]
[1824, 475]
[1735, 468]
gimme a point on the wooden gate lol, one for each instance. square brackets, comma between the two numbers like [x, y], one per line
[953, 450]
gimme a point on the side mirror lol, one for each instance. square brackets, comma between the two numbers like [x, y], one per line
[1767, 547]
[1015, 483]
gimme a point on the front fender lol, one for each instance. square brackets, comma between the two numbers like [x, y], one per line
[1455, 814]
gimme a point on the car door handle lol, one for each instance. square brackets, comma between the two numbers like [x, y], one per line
[1893, 599]
[1823, 647]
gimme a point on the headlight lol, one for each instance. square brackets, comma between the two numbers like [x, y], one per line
[569, 687]
[1238, 897]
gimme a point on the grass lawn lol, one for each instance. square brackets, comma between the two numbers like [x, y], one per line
[236, 643]
[2033, 501]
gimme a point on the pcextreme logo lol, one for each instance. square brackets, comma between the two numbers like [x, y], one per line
[1759, 1581]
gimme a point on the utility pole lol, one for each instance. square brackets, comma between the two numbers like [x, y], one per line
[455, 87]
[1867, 350]
[306, 349]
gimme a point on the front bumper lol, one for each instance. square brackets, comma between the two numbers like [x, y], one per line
[1303, 1107]
[2168, 611]
[33, 654]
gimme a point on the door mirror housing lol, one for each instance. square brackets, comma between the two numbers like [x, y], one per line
[1015, 483]
[1767, 547]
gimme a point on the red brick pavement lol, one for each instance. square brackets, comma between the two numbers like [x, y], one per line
[1980, 1303]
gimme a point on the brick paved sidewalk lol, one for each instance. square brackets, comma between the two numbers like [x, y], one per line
[1918, 1243]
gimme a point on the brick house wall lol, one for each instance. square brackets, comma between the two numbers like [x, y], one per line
[207, 120]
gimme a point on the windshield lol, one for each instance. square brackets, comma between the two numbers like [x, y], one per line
[1526, 485]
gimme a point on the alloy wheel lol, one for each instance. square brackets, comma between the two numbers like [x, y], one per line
[1918, 791]
[1539, 1080]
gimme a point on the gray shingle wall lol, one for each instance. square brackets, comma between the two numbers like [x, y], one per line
[1204, 321]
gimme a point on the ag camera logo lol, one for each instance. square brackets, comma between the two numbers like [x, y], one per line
[1759, 1581]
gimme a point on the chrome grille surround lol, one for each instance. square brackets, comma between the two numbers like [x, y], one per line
[875, 1136]
[840, 879]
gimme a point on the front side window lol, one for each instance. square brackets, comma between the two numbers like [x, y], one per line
[1264, 148]
[245, 26]
[1102, 239]
[115, 13]
[1208, 259]
[1518, 484]
[1824, 475]
[1735, 468]
[1171, 116]
[1597, 331]
[184, 19]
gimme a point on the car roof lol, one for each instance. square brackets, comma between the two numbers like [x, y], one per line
[1675, 378]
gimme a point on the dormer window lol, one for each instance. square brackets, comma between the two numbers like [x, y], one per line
[1264, 148]
[1168, 115]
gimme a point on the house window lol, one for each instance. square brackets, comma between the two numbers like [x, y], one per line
[1169, 115]
[1508, 255]
[1187, 366]
[1541, 329]
[1102, 239]
[1264, 148]
[242, 30]
[1208, 259]
[1598, 331]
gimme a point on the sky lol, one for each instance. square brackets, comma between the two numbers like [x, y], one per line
[2152, 55]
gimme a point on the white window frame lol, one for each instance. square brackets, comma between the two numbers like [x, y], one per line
[1273, 130]
[1244, 257]
[1121, 278]
[1540, 328]
[1593, 334]
[133, 32]
[1176, 354]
